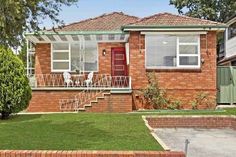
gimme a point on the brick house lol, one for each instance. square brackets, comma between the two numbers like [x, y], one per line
[114, 52]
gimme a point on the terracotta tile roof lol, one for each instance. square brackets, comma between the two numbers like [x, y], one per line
[168, 19]
[106, 22]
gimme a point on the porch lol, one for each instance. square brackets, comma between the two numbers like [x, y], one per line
[72, 72]
[105, 54]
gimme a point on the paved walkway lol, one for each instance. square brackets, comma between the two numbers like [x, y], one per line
[203, 142]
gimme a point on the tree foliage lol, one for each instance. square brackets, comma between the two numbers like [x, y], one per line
[19, 16]
[215, 10]
[23, 53]
[15, 92]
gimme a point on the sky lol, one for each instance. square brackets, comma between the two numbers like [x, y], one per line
[92, 8]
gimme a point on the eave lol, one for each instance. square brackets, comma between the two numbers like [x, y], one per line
[173, 28]
[74, 33]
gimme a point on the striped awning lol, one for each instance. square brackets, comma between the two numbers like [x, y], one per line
[50, 38]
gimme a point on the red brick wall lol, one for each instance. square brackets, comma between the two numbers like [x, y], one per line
[38, 153]
[179, 84]
[43, 59]
[113, 103]
[211, 122]
[48, 101]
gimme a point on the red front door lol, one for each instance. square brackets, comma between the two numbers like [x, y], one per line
[118, 62]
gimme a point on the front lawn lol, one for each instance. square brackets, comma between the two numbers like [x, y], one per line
[76, 132]
[85, 131]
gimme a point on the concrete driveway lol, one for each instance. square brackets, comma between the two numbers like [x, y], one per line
[203, 142]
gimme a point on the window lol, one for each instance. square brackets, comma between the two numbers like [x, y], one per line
[60, 57]
[171, 51]
[232, 30]
[74, 56]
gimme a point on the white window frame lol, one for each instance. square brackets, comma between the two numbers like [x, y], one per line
[178, 55]
[188, 55]
[60, 61]
[69, 60]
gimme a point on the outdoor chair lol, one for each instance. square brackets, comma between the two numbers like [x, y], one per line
[89, 80]
[67, 79]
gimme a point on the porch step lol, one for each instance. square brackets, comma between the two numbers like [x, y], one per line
[81, 109]
[121, 91]
[96, 101]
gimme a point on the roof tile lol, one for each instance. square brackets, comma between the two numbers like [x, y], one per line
[168, 19]
[106, 22]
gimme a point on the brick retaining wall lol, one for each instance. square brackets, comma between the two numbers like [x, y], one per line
[25, 153]
[48, 101]
[211, 122]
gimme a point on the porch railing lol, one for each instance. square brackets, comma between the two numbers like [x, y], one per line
[105, 81]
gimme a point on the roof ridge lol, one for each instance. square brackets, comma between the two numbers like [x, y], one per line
[100, 16]
[151, 16]
[181, 16]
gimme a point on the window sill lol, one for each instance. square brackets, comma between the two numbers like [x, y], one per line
[198, 69]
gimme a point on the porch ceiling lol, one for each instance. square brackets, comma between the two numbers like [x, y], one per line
[56, 37]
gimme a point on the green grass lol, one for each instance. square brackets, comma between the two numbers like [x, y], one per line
[84, 131]
[76, 132]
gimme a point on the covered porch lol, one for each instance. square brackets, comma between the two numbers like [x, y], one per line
[78, 60]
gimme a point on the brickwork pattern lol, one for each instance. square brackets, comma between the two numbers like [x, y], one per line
[210, 122]
[38, 153]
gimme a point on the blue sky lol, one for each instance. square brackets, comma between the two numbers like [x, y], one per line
[92, 8]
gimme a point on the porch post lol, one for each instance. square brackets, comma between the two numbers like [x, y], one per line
[27, 57]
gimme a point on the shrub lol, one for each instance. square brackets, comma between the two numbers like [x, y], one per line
[202, 98]
[174, 104]
[153, 94]
[15, 92]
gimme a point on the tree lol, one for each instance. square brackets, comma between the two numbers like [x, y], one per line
[215, 10]
[19, 16]
[23, 53]
[15, 92]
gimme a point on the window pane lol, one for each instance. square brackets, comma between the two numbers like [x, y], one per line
[91, 56]
[232, 30]
[76, 63]
[188, 39]
[160, 50]
[188, 60]
[60, 55]
[61, 46]
[61, 65]
[188, 49]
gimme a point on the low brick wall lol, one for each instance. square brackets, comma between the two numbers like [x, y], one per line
[211, 122]
[25, 153]
[48, 101]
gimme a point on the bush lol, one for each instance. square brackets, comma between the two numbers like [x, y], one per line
[202, 98]
[174, 105]
[153, 94]
[15, 92]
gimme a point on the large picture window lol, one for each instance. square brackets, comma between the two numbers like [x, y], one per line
[74, 57]
[172, 51]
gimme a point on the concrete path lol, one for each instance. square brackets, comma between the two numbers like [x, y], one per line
[203, 142]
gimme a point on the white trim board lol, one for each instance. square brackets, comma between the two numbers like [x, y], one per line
[174, 33]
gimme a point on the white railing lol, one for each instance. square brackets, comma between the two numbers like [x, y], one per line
[54, 81]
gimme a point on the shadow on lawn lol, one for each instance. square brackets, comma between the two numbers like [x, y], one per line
[21, 118]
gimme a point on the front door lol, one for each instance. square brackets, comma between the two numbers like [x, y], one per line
[118, 62]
